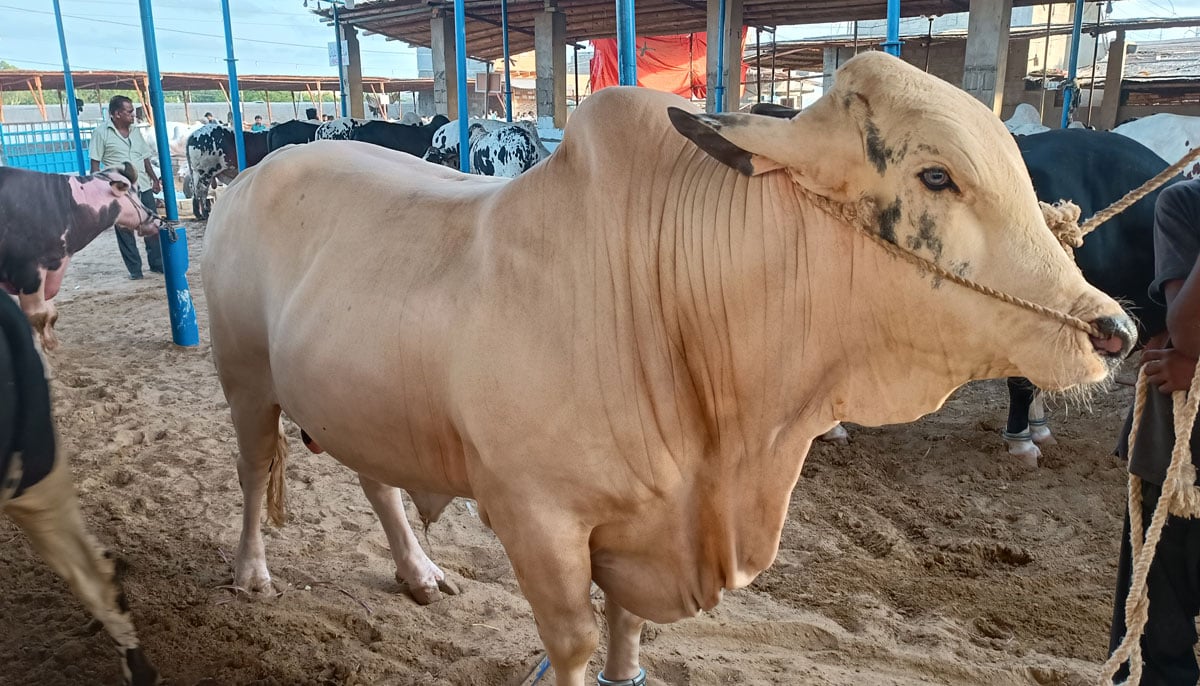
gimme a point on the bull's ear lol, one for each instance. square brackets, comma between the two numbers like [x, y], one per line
[745, 152]
[822, 145]
[130, 172]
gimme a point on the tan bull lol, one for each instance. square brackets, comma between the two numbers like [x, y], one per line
[624, 354]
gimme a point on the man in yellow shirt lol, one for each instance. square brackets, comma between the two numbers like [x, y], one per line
[113, 145]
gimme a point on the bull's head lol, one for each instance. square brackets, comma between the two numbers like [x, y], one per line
[945, 181]
[133, 216]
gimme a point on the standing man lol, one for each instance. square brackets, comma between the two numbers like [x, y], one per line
[112, 146]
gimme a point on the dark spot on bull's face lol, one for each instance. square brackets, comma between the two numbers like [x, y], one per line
[877, 152]
[926, 237]
[889, 217]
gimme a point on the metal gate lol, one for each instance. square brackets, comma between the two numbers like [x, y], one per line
[42, 146]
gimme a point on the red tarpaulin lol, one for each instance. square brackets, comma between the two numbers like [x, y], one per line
[675, 64]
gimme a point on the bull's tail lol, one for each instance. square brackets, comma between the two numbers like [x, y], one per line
[276, 486]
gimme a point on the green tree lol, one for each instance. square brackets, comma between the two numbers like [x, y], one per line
[5, 66]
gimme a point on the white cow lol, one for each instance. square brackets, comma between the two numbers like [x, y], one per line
[1170, 136]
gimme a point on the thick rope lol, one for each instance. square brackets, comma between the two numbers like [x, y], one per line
[864, 216]
[1179, 497]
[1140, 192]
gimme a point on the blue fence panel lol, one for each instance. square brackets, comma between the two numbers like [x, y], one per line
[42, 146]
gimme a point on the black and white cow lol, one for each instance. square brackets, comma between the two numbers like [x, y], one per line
[37, 494]
[294, 132]
[47, 218]
[212, 155]
[340, 129]
[409, 138]
[496, 148]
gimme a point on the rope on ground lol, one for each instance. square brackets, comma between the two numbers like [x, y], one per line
[1179, 497]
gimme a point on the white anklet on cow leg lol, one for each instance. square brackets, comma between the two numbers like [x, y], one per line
[639, 680]
[1022, 447]
[1039, 430]
[837, 434]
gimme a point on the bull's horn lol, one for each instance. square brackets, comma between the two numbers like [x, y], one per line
[130, 172]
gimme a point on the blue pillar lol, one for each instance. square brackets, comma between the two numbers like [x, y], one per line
[1073, 66]
[719, 86]
[626, 43]
[337, 40]
[460, 58]
[174, 240]
[507, 66]
[70, 84]
[892, 45]
[234, 96]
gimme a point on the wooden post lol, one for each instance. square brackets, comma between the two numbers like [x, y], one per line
[187, 106]
[146, 100]
[267, 95]
[295, 106]
[1110, 105]
[62, 110]
[35, 89]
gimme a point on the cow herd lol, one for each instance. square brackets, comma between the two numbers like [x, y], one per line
[496, 148]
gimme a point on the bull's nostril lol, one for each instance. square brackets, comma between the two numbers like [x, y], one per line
[1117, 336]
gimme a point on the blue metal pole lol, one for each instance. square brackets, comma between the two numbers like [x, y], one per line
[70, 83]
[173, 240]
[1073, 66]
[892, 45]
[719, 85]
[626, 43]
[337, 38]
[234, 96]
[507, 66]
[460, 58]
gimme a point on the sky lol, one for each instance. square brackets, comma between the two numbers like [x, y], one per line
[282, 36]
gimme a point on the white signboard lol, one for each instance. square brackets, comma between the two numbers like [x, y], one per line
[333, 54]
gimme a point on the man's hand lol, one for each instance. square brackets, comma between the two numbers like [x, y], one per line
[157, 187]
[1168, 370]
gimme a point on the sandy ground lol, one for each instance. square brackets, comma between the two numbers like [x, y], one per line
[919, 554]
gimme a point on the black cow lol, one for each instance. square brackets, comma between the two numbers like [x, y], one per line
[212, 155]
[412, 139]
[1093, 169]
[36, 492]
[294, 132]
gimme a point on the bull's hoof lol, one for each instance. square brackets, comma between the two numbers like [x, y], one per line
[837, 435]
[427, 595]
[639, 680]
[138, 669]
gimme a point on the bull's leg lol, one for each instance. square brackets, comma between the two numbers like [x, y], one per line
[1039, 426]
[1017, 435]
[48, 513]
[550, 556]
[41, 314]
[414, 570]
[624, 642]
[258, 437]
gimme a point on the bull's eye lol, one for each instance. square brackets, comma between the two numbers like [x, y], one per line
[937, 179]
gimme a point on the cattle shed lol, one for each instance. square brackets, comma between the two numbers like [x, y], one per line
[1158, 76]
[548, 26]
[311, 88]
